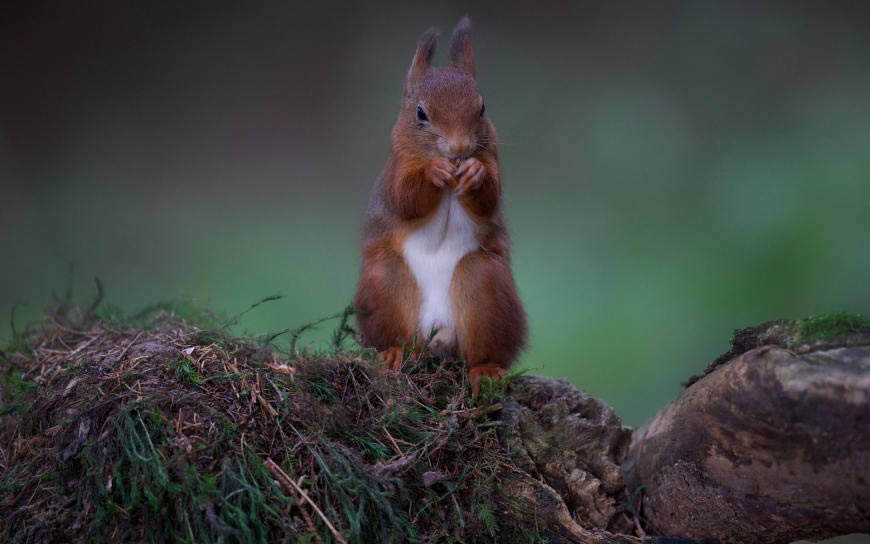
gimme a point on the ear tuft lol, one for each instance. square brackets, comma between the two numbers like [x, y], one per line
[460, 54]
[423, 55]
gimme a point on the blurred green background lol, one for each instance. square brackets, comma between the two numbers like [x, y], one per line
[672, 170]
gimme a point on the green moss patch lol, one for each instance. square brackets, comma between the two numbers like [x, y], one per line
[828, 325]
[818, 332]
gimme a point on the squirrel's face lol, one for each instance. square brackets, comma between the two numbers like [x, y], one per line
[447, 113]
[442, 112]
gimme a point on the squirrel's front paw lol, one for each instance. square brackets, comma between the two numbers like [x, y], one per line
[440, 172]
[470, 174]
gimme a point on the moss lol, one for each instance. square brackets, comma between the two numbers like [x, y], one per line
[14, 384]
[828, 325]
[13, 391]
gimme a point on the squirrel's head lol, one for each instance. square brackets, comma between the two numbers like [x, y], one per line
[442, 111]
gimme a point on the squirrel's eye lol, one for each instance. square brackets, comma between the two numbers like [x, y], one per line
[421, 115]
[482, 109]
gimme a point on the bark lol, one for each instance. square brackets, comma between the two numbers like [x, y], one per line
[771, 446]
[567, 447]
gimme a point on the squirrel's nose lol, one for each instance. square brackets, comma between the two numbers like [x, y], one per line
[460, 148]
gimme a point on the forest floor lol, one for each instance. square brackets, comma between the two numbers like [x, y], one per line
[163, 426]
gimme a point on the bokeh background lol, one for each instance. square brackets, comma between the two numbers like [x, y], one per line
[672, 170]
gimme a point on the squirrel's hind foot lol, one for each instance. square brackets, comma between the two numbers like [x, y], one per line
[477, 372]
[392, 357]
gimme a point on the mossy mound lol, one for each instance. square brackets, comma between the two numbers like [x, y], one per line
[167, 432]
[174, 433]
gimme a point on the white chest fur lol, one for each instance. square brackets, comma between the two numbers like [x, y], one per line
[432, 252]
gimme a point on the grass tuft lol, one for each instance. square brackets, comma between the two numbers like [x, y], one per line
[186, 372]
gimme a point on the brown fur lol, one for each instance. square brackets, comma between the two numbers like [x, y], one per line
[487, 312]
[388, 292]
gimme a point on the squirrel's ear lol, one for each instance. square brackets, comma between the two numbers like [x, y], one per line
[423, 55]
[460, 47]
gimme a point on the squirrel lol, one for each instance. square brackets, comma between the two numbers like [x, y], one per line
[435, 249]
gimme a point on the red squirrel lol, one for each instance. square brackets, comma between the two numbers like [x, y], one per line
[435, 249]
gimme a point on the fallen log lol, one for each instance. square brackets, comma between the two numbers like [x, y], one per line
[772, 445]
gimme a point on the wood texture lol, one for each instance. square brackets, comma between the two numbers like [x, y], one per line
[769, 447]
